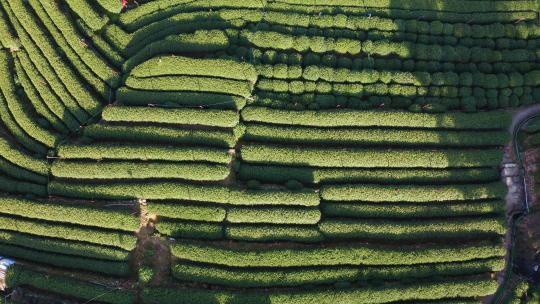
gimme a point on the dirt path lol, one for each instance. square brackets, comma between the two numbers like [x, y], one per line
[512, 174]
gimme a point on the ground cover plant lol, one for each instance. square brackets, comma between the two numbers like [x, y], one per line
[260, 151]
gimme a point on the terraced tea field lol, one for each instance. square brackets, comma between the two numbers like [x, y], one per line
[259, 151]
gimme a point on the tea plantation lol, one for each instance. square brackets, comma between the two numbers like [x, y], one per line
[259, 151]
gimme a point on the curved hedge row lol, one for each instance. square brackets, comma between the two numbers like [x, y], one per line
[369, 158]
[207, 117]
[71, 81]
[59, 107]
[341, 254]
[20, 109]
[179, 65]
[132, 97]
[355, 118]
[411, 193]
[40, 61]
[192, 83]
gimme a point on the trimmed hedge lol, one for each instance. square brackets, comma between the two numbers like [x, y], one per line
[308, 135]
[50, 229]
[179, 65]
[273, 233]
[412, 230]
[15, 171]
[155, 11]
[196, 230]
[51, 210]
[21, 111]
[191, 83]
[402, 210]
[198, 41]
[272, 215]
[338, 254]
[170, 190]
[66, 35]
[20, 158]
[63, 247]
[176, 210]
[104, 48]
[369, 158]
[132, 97]
[412, 193]
[206, 117]
[86, 12]
[139, 170]
[110, 6]
[10, 185]
[115, 268]
[356, 118]
[53, 102]
[238, 277]
[22, 275]
[143, 152]
[38, 103]
[41, 63]
[282, 174]
[459, 6]
[68, 77]
[463, 287]
[167, 135]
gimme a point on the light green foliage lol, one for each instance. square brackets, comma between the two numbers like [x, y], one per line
[191, 83]
[355, 118]
[416, 291]
[142, 152]
[401, 210]
[369, 158]
[182, 211]
[139, 170]
[84, 10]
[309, 175]
[108, 293]
[205, 117]
[181, 191]
[349, 254]
[402, 137]
[239, 277]
[411, 230]
[274, 215]
[273, 233]
[179, 65]
[411, 193]
[73, 214]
